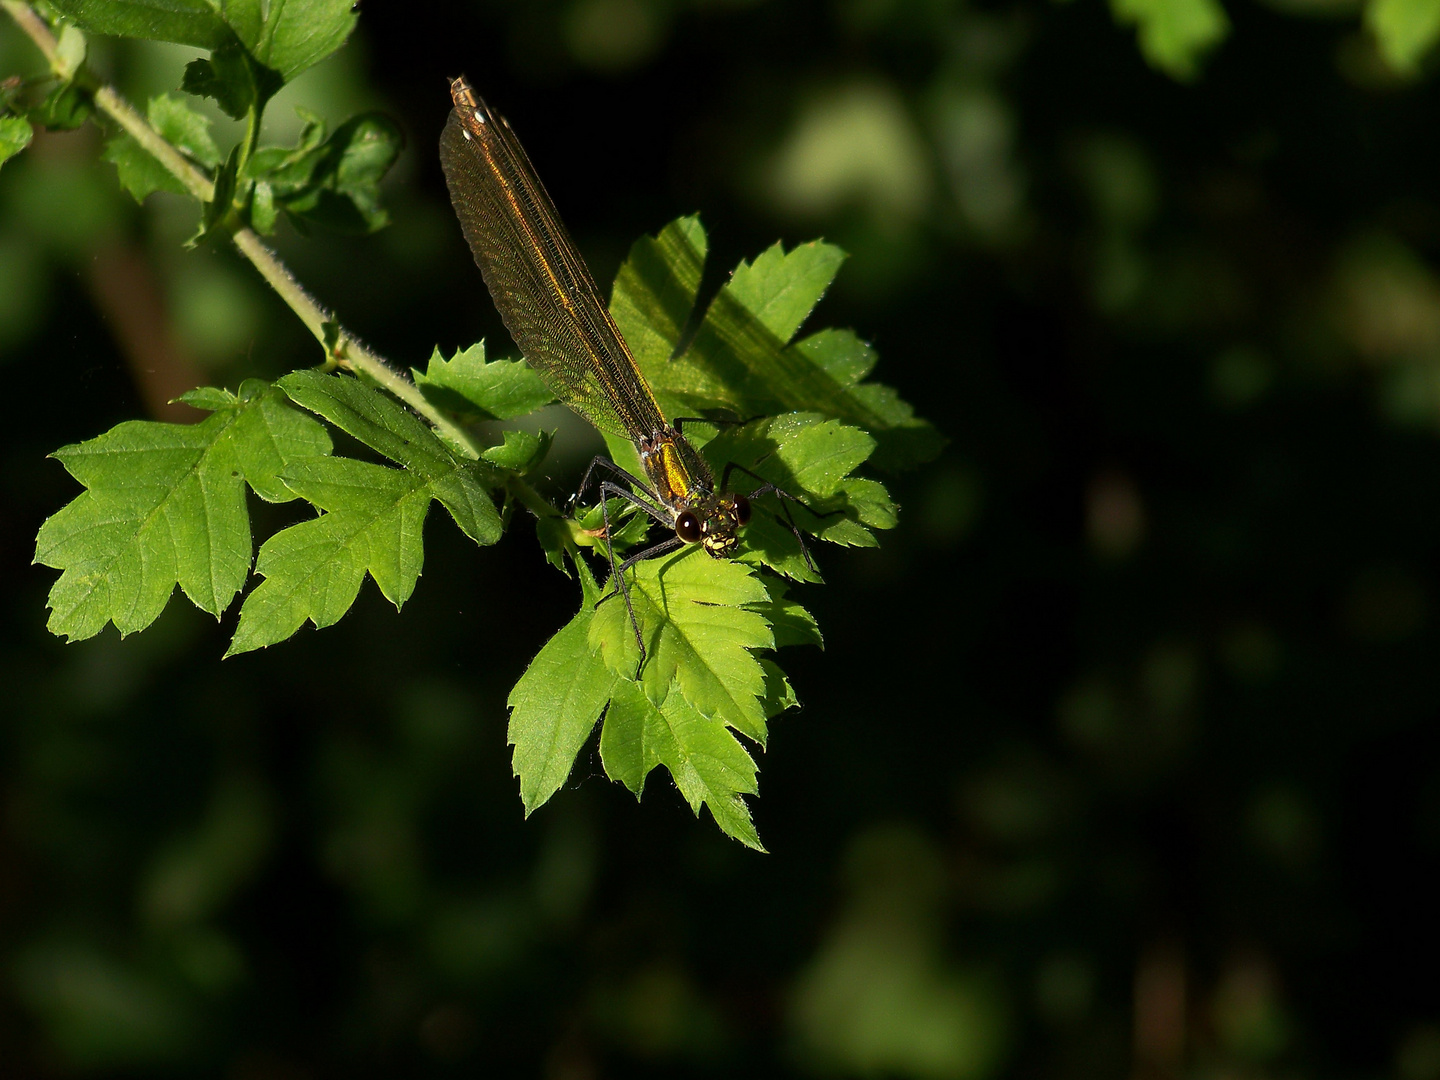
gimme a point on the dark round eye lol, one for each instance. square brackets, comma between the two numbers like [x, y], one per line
[687, 527]
[742, 509]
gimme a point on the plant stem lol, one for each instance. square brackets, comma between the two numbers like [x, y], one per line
[341, 347]
[345, 350]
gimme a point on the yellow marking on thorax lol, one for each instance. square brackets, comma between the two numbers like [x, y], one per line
[668, 472]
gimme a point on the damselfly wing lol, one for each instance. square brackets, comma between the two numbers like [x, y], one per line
[552, 308]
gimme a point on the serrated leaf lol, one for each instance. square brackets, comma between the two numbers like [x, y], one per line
[553, 709]
[556, 535]
[390, 429]
[655, 289]
[295, 35]
[15, 135]
[740, 361]
[470, 387]
[698, 630]
[1405, 30]
[780, 288]
[841, 353]
[165, 505]
[801, 452]
[709, 765]
[1174, 34]
[137, 169]
[377, 420]
[184, 128]
[373, 523]
[807, 457]
[288, 168]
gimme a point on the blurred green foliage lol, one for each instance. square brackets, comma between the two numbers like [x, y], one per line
[1121, 759]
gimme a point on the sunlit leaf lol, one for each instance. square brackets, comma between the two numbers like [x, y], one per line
[706, 760]
[387, 427]
[554, 707]
[698, 630]
[165, 504]
[373, 522]
[741, 361]
[470, 387]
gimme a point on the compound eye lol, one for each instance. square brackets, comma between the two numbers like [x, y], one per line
[742, 510]
[687, 527]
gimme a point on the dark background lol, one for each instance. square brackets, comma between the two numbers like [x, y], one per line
[1120, 759]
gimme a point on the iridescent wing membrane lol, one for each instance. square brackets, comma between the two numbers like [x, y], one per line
[542, 288]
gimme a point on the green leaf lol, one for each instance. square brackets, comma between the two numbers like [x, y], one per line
[1174, 34]
[288, 168]
[553, 709]
[389, 428]
[209, 398]
[809, 458]
[334, 182]
[236, 81]
[521, 451]
[139, 172]
[779, 289]
[698, 630]
[184, 128]
[165, 504]
[741, 361]
[292, 35]
[840, 353]
[803, 453]
[1405, 30]
[286, 36]
[709, 765]
[655, 290]
[15, 135]
[469, 387]
[373, 523]
[184, 22]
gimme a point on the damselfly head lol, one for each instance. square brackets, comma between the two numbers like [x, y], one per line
[716, 525]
